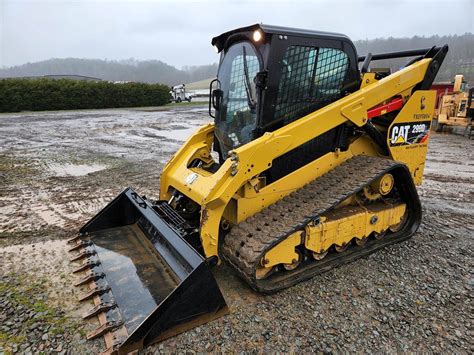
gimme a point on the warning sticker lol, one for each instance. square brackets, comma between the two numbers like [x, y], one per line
[409, 133]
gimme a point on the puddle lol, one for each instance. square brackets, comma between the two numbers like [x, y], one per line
[181, 134]
[74, 169]
[177, 133]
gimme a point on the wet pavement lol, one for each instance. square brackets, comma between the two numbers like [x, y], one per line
[59, 158]
[57, 169]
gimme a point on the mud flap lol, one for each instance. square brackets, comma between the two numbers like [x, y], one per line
[146, 281]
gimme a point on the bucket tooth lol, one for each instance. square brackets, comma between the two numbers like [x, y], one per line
[81, 244]
[104, 328]
[74, 239]
[87, 265]
[92, 276]
[85, 254]
[95, 291]
[101, 307]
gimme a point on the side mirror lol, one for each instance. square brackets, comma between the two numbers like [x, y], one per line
[215, 96]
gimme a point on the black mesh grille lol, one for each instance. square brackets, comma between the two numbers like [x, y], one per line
[311, 78]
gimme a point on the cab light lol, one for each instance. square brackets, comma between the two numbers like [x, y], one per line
[257, 36]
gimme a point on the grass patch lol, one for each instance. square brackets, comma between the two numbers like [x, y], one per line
[17, 234]
[40, 307]
[21, 291]
[170, 105]
[185, 103]
[29, 293]
[15, 169]
[9, 237]
[82, 332]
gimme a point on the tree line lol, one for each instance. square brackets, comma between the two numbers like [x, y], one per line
[48, 94]
[149, 71]
[460, 60]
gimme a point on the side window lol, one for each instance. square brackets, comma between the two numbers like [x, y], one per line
[310, 78]
[237, 100]
[236, 118]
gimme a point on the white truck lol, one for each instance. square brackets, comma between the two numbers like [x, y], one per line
[178, 94]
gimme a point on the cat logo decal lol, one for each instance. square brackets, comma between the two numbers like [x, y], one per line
[409, 133]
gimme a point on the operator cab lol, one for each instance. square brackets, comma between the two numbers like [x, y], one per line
[270, 76]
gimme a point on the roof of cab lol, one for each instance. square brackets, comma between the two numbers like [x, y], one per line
[270, 29]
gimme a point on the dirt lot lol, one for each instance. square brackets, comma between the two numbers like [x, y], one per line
[58, 169]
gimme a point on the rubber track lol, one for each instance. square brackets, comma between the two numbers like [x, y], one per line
[247, 242]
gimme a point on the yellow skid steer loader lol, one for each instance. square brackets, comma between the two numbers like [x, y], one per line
[311, 162]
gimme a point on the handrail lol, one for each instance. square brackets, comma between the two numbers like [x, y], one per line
[399, 54]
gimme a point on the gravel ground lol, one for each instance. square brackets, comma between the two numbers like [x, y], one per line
[58, 169]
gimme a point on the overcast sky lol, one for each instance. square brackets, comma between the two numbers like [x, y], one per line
[179, 32]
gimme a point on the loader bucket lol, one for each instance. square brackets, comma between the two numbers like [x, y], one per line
[147, 283]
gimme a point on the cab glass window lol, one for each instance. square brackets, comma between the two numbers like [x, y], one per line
[311, 78]
[237, 116]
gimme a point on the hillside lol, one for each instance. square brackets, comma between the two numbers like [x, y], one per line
[151, 71]
[460, 59]
[200, 84]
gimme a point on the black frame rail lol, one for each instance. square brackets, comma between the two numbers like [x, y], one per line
[425, 52]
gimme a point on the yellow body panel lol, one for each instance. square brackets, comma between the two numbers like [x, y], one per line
[367, 79]
[214, 192]
[338, 228]
[350, 222]
[409, 132]
[284, 252]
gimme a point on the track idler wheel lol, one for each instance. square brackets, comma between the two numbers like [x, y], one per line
[295, 263]
[396, 227]
[341, 248]
[379, 236]
[380, 187]
[320, 256]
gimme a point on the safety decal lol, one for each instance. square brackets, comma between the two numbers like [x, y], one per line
[409, 133]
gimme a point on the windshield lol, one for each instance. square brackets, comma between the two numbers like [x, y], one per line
[237, 115]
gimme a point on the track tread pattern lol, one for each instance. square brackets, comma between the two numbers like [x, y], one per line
[247, 242]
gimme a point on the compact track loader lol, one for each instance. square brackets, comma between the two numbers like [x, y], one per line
[311, 162]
